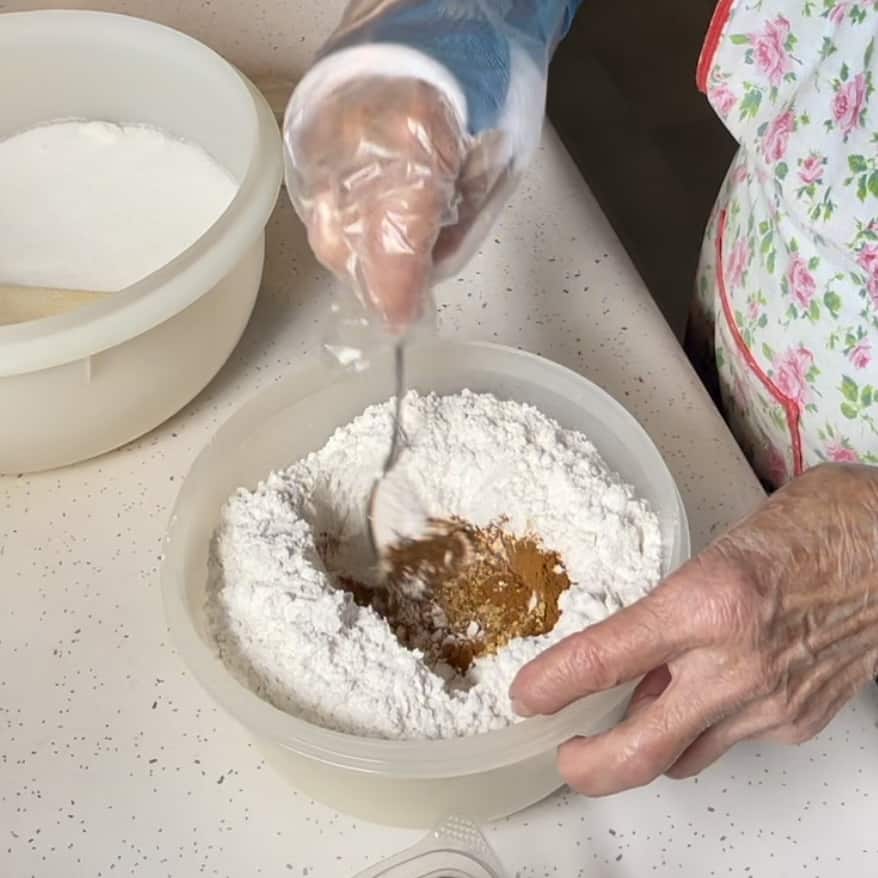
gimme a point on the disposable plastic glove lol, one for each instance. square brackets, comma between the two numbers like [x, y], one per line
[765, 635]
[405, 138]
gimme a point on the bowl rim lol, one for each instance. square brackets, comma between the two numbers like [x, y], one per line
[160, 295]
[406, 758]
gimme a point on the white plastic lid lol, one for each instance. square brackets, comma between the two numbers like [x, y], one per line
[455, 849]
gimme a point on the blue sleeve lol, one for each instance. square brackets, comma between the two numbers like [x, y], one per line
[473, 39]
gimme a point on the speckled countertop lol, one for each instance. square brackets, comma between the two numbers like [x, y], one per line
[112, 759]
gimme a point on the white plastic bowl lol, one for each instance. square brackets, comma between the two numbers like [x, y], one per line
[412, 783]
[76, 385]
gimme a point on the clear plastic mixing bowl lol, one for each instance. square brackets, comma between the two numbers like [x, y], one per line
[411, 783]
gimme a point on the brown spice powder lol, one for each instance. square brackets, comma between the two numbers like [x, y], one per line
[461, 591]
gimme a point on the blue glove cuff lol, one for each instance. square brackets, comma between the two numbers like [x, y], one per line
[473, 39]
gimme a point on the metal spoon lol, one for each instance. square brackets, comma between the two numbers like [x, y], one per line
[394, 512]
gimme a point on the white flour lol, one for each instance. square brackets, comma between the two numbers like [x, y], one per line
[96, 206]
[301, 643]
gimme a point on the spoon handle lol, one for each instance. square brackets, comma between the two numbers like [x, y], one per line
[396, 440]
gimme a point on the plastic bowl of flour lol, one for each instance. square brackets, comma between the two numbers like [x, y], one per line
[75, 385]
[410, 782]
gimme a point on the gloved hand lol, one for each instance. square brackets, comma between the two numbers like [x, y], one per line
[405, 138]
[376, 179]
[766, 635]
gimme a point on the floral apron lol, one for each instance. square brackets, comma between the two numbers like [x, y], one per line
[788, 279]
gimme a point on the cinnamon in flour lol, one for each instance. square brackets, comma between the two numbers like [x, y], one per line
[461, 591]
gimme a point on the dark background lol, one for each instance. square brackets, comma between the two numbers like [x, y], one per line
[622, 96]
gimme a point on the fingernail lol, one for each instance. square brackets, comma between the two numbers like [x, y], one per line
[519, 708]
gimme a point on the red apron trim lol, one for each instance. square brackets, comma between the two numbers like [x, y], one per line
[790, 406]
[718, 23]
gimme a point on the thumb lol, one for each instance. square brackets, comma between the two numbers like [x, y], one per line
[629, 644]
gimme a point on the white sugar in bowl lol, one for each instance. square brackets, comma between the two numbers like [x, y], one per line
[76, 385]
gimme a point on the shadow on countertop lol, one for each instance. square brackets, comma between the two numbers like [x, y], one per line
[622, 96]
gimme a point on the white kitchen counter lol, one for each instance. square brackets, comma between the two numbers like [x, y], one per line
[112, 759]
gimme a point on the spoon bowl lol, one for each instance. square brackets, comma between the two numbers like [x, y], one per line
[395, 512]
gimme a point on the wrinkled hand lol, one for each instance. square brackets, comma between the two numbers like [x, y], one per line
[765, 635]
[387, 184]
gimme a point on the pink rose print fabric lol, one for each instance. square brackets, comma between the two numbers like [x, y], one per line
[771, 50]
[723, 99]
[778, 137]
[868, 261]
[861, 355]
[788, 279]
[812, 169]
[739, 262]
[803, 286]
[850, 104]
[791, 374]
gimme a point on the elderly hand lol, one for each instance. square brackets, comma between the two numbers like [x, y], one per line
[765, 635]
[387, 184]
